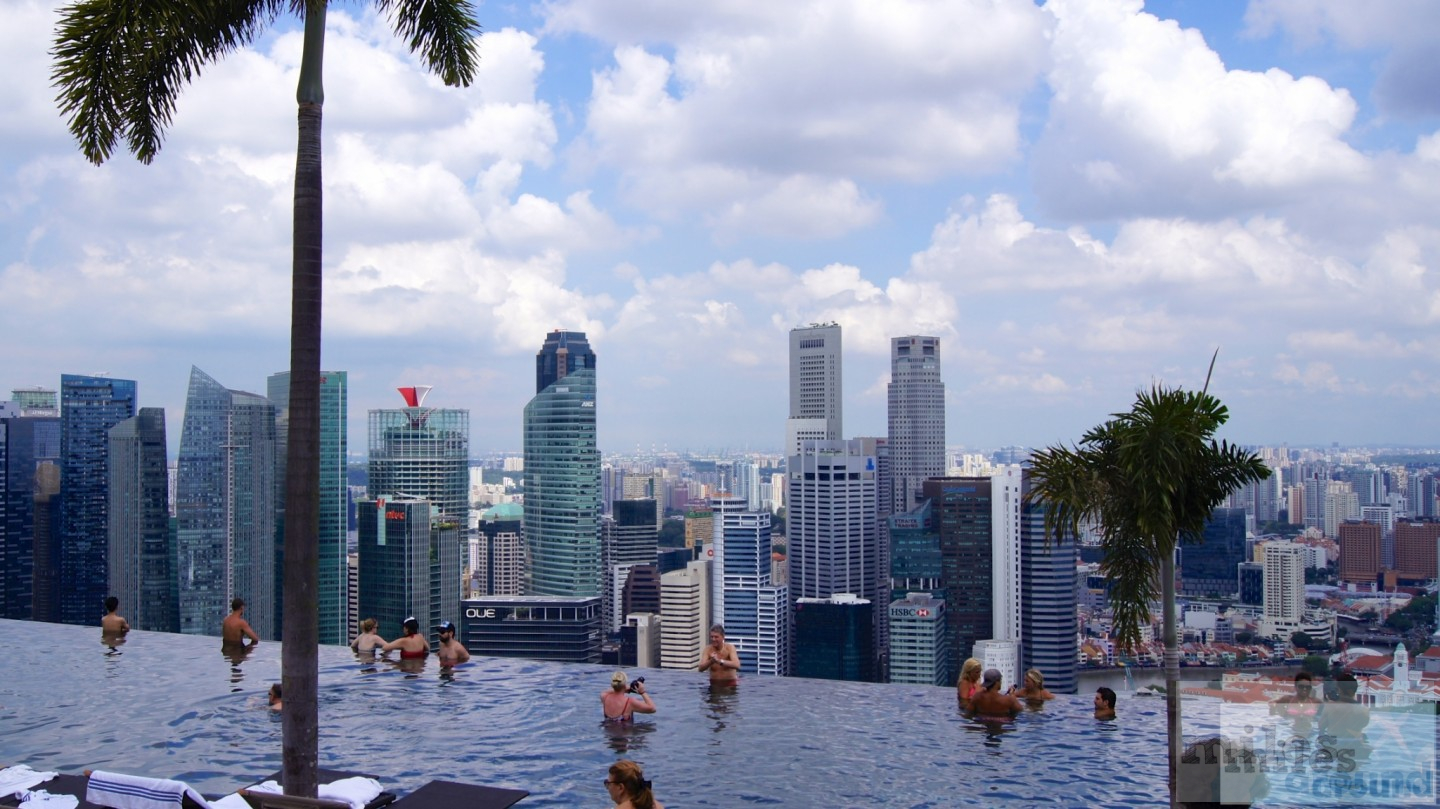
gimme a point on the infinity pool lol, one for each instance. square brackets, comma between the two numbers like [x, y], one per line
[174, 706]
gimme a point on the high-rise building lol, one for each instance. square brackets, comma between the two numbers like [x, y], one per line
[685, 615]
[332, 596]
[919, 645]
[404, 553]
[1048, 622]
[917, 418]
[29, 464]
[835, 638]
[419, 451]
[89, 407]
[1284, 574]
[754, 610]
[140, 555]
[499, 565]
[628, 538]
[1208, 568]
[1360, 551]
[1341, 504]
[1415, 549]
[225, 508]
[815, 386]
[562, 471]
[915, 560]
[554, 628]
[1252, 583]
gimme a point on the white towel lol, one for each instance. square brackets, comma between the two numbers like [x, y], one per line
[137, 792]
[232, 801]
[21, 777]
[356, 791]
[40, 799]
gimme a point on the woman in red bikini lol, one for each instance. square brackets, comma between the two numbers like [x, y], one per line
[412, 645]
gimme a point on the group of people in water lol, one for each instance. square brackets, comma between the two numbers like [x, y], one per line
[980, 695]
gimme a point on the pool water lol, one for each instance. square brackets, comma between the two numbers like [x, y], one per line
[174, 706]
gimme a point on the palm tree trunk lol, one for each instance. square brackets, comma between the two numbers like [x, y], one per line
[1172, 666]
[299, 655]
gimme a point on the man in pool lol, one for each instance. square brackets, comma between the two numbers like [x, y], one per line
[1104, 703]
[988, 701]
[236, 629]
[112, 623]
[720, 658]
[412, 645]
[451, 653]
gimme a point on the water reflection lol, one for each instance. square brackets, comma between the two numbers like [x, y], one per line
[627, 737]
[236, 654]
[720, 699]
[113, 641]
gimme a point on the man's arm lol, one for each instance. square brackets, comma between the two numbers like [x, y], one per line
[249, 633]
[461, 654]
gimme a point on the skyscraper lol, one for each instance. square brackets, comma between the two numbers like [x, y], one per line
[835, 638]
[498, 567]
[1284, 600]
[1208, 568]
[629, 538]
[395, 565]
[1415, 549]
[331, 587]
[685, 614]
[1048, 623]
[754, 610]
[919, 645]
[562, 471]
[419, 451]
[140, 554]
[225, 507]
[29, 477]
[89, 407]
[815, 389]
[917, 418]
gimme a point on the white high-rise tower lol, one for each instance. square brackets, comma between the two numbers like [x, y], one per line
[916, 417]
[815, 412]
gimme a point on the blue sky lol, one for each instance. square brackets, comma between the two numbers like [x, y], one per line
[1079, 197]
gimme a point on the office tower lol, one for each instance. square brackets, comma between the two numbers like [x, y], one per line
[754, 610]
[978, 521]
[500, 568]
[419, 451]
[835, 638]
[1284, 574]
[1360, 551]
[36, 402]
[29, 479]
[815, 386]
[628, 538]
[140, 555]
[1252, 582]
[832, 532]
[331, 594]
[685, 615]
[89, 407]
[562, 471]
[917, 418]
[395, 535]
[225, 507]
[1048, 622]
[642, 591]
[642, 635]
[557, 628]
[915, 559]
[699, 526]
[1208, 568]
[1415, 546]
[919, 644]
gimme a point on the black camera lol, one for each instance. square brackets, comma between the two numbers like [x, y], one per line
[634, 685]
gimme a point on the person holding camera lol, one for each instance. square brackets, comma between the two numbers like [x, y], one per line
[617, 703]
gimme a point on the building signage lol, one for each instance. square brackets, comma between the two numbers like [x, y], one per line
[482, 613]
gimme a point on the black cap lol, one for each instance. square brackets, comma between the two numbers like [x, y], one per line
[445, 626]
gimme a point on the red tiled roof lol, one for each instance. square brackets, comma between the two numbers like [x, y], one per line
[1370, 662]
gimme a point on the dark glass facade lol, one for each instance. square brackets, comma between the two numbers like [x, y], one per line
[1252, 583]
[394, 551]
[834, 640]
[29, 456]
[916, 565]
[1048, 623]
[89, 407]
[962, 514]
[1208, 568]
[140, 555]
[561, 629]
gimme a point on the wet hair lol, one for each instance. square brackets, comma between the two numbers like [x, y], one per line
[1108, 695]
[111, 604]
[1034, 674]
[236, 603]
[970, 670]
[629, 775]
[275, 691]
[367, 625]
[718, 628]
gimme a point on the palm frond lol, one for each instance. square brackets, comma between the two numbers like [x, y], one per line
[120, 64]
[442, 32]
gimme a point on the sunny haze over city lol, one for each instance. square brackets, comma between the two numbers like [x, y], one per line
[1078, 198]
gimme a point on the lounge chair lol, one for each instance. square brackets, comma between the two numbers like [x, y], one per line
[434, 795]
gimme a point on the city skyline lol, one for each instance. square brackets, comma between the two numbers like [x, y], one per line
[1078, 199]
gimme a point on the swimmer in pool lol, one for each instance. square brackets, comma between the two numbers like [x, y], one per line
[720, 658]
[451, 653]
[617, 703]
[235, 628]
[1034, 691]
[988, 701]
[1301, 707]
[412, 645]
[112, 623]
[274, 698]
[368, 640]
[1104, 703]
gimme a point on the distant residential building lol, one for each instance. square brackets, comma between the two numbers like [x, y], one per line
[835, 638]
[225, 508]
[1341, 504]
[140, 554]
[1360, 551]
[89, 407]
[1284, 611]
[919, 644]
[1415, 549]
[562, 471]
[498, 566]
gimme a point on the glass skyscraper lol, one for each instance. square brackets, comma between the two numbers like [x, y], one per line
[419, 451]
[562, 471]
[140, 552]
[29, 462]
[225, 507]
[754, 609]
[336, 624]
[1208, 568]
[89, 407]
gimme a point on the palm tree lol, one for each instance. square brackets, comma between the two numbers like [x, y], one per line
[119, 67]
[1146, 480]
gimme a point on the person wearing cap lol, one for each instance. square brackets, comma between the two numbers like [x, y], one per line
[412, 644]
[617, 703]
[988, 701]
[451, 653]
